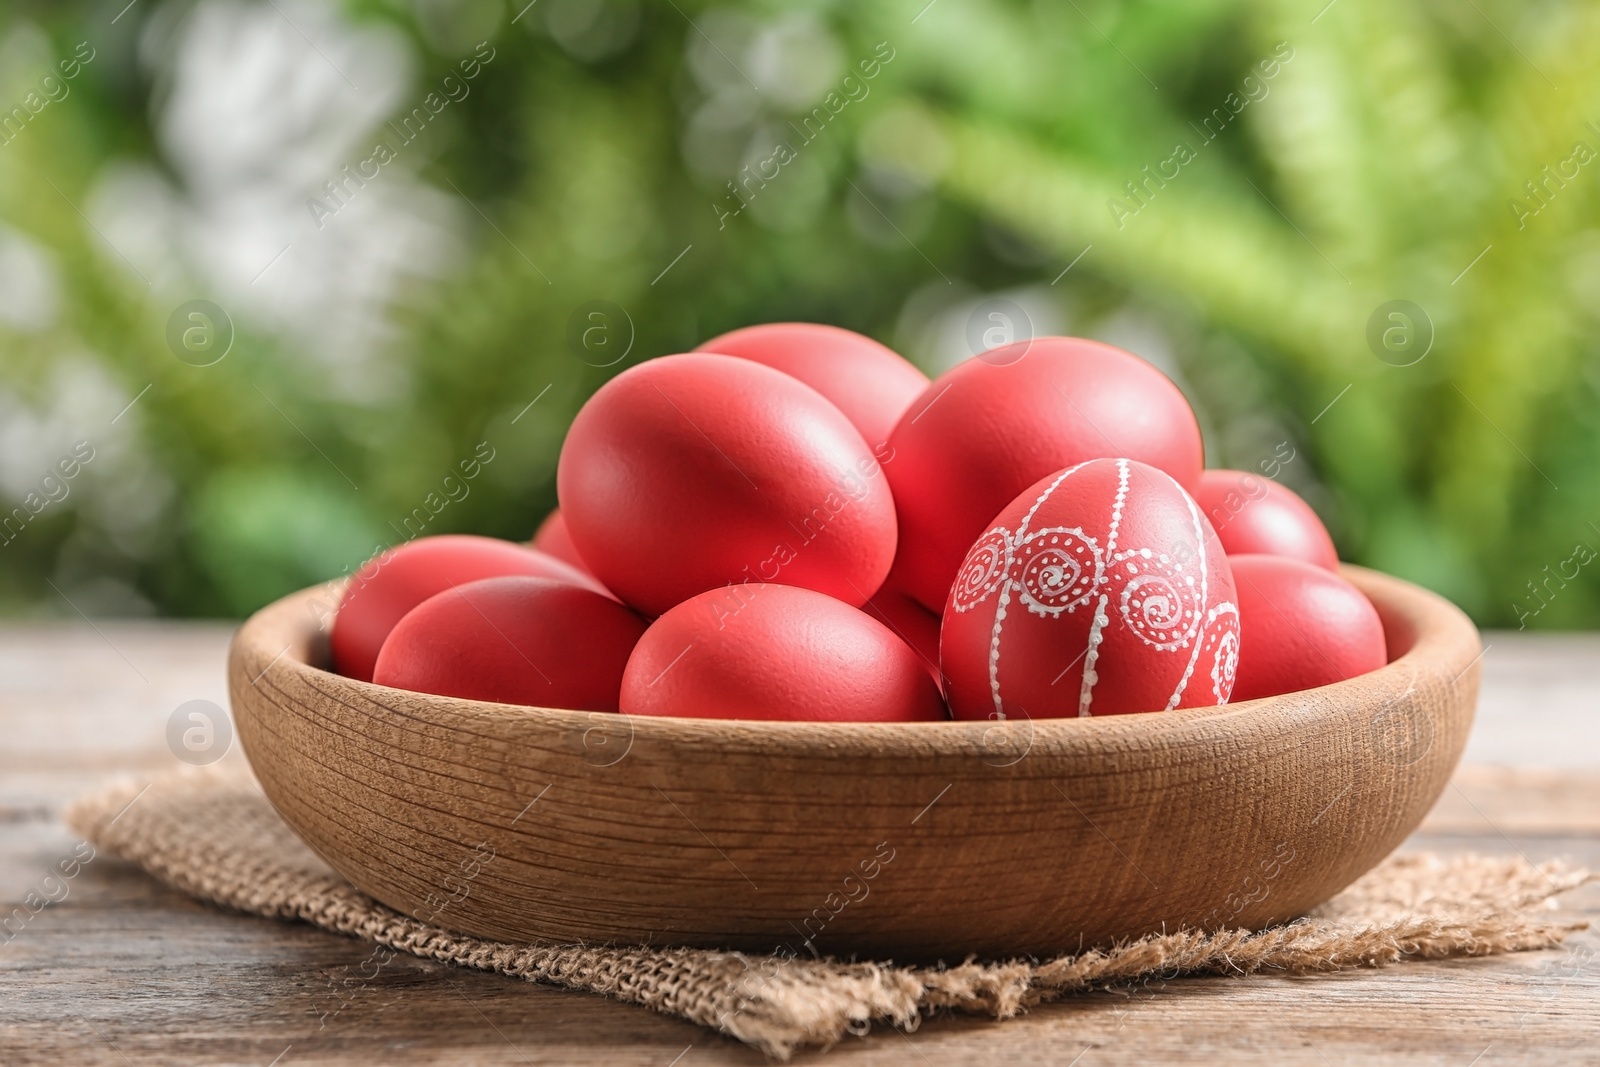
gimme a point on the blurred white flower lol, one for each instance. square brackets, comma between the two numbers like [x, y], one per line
[264, 105]
[753, 73]
[590, 30]
[1138, 332]
[30, 289]
[717, 134]
[938, 325]
[120, 490]
[716, 43]
[794, 60]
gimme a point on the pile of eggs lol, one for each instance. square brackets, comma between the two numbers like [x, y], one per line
[793, 522]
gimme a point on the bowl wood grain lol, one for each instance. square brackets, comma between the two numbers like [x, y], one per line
[914, 841]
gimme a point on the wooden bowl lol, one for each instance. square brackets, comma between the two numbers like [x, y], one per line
[913, 841]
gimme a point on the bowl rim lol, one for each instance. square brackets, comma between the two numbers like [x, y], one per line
[1435, 638]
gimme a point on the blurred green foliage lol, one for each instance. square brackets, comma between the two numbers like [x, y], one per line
[1374, 150]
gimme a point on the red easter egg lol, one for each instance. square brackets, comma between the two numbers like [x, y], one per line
[514, 641]
[691, 472]
[872, 384]
[394, 582]
[1300, 627]
[552, 537]
[1256, 515]
[1100, 590]
[992, 426]
[911, 622]
[776, 652]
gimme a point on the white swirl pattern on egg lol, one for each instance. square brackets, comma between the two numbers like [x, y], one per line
[1159, 597]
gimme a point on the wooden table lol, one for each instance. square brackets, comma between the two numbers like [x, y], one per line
[123, 970]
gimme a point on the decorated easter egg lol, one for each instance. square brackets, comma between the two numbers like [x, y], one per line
[867, 381]
[395, 581]
[691, 472]
[1100, 590]
[1253, 514]
[992, 426]
[552, 537]
[1300, 626]
[911, 622]
[515, 641]
[776, 652]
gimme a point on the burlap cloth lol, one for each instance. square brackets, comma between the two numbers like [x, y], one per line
[212, 834]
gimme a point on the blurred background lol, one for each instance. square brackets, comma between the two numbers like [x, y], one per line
[271, 272]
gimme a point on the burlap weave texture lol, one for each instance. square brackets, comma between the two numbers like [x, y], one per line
[212, 834]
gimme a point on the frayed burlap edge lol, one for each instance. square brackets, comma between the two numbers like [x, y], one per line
[212, 834]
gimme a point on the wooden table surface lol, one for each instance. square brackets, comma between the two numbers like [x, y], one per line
[123, 970]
